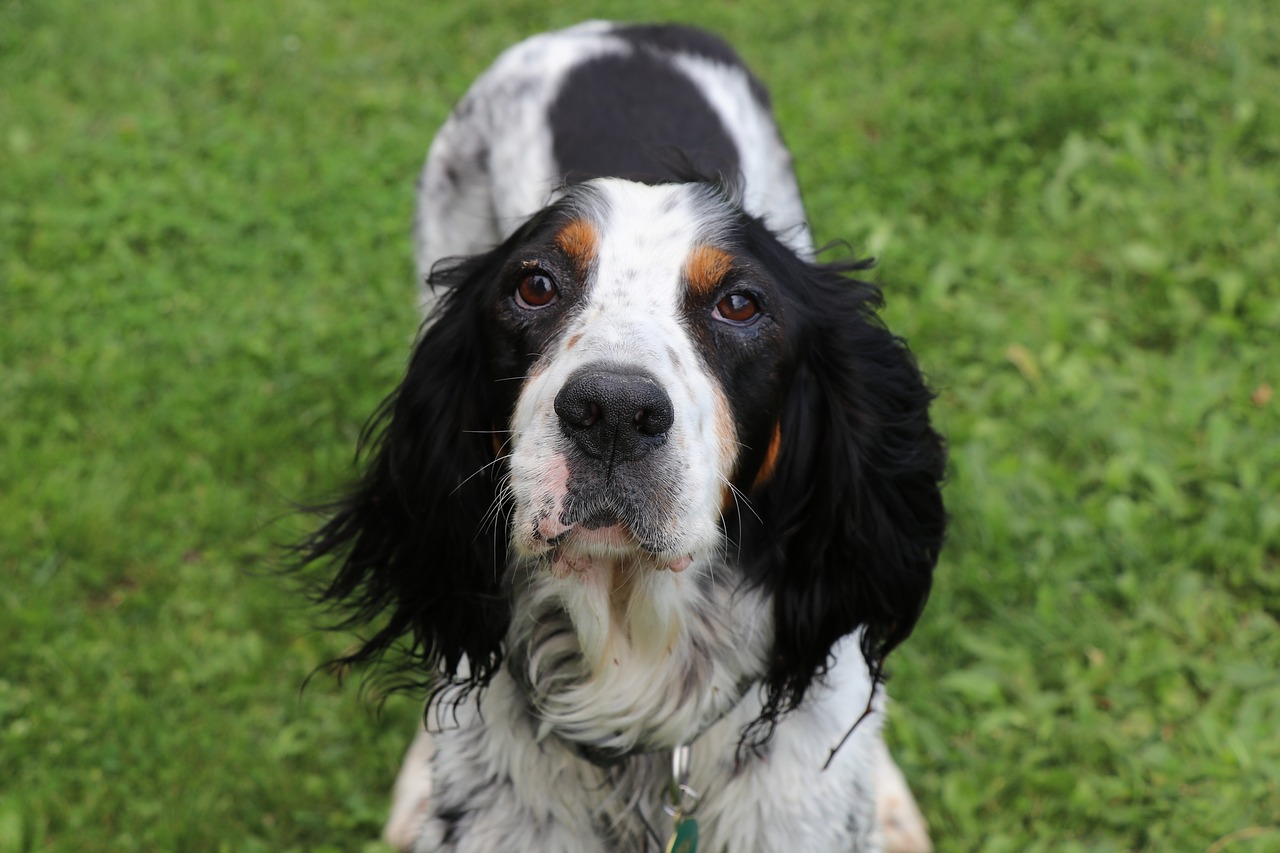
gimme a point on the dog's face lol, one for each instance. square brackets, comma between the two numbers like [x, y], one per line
[645, 354]
[644, 383]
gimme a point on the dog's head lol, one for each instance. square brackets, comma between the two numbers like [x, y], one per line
[644, 373]
[650, 362]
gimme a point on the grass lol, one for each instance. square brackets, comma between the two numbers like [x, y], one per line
[205, 287]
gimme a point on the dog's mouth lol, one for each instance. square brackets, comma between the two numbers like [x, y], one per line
[576, 523]
[602, 537]
[580, 550]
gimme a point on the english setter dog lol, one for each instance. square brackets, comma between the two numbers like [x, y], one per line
[658, 492]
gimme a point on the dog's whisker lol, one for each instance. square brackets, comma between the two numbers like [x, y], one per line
[502, 496]
[485, 467]
[739, 499]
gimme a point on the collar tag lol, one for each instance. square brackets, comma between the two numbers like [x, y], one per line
[685, 837]
[683, 800]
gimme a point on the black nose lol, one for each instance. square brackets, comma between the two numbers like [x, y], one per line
[614, 413]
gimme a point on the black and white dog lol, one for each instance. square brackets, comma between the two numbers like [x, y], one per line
[656, 485]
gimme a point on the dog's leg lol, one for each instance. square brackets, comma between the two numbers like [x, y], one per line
[901, 826]
[484, 783]
[411, 795]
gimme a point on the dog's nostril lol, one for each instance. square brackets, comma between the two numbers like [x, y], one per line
[654, 421]
[577, 412]
[578, 404]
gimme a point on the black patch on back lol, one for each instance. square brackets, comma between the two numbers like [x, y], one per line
[673, 38]
[636, 117]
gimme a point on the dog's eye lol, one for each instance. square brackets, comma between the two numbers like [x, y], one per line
[737, 308]
[536, 290]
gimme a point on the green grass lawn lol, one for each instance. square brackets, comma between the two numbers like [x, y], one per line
[205, 287]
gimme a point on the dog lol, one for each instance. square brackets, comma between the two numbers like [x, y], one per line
[658, 492]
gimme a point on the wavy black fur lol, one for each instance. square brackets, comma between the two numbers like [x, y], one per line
[847, 531]
[418, 540]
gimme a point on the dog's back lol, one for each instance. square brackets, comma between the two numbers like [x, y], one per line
[649, 103]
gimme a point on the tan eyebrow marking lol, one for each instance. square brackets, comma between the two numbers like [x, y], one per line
[705, 268]
[579, 240]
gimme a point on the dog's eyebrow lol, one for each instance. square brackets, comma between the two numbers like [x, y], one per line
[578, 239]
[705, 268]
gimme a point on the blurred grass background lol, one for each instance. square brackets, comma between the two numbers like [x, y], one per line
[205, 287]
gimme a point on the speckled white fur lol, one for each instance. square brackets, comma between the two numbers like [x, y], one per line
[779, 799]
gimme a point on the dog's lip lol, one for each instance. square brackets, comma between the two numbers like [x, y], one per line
[679, 564]
[591, 542]
[616, 535]
[581, 545]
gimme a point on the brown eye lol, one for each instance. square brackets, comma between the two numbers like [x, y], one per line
[737, 308]
[536, 290]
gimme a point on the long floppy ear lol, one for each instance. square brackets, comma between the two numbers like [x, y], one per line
[418, 540]
[852, 514]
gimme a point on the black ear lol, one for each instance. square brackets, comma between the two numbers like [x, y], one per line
[418, 540]
[852, 519]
